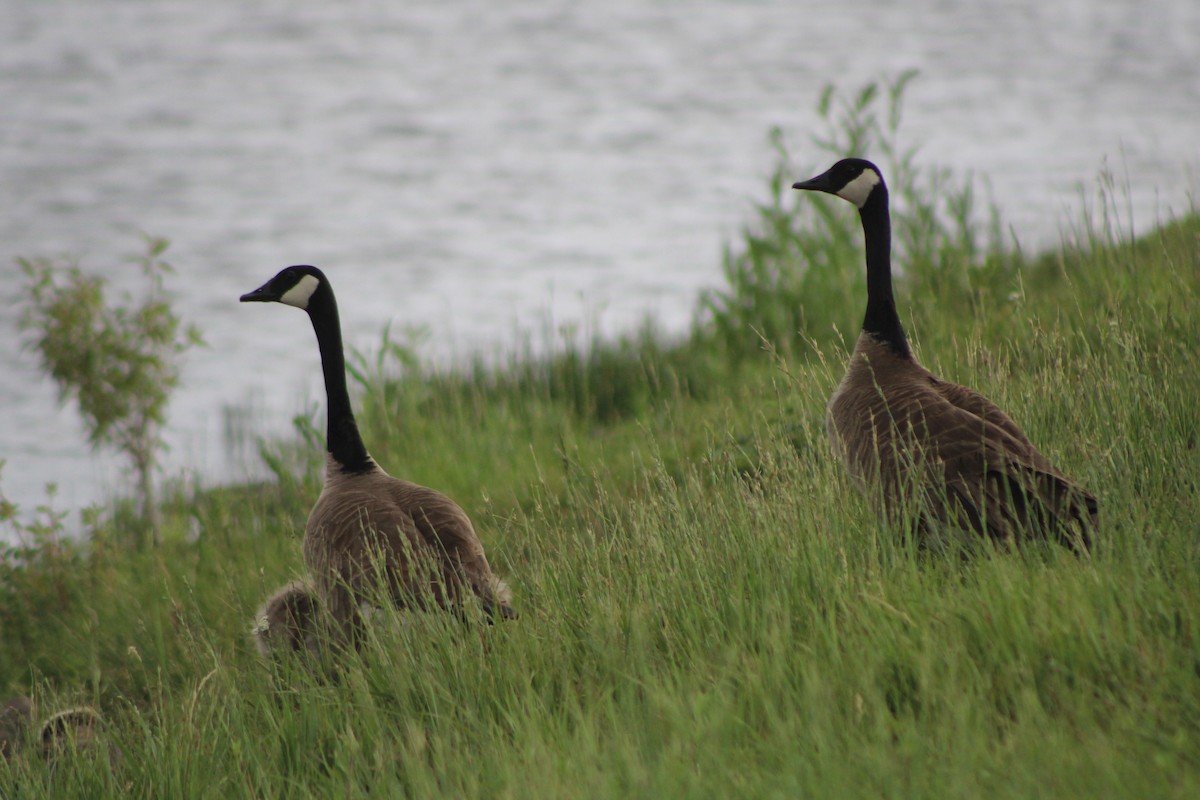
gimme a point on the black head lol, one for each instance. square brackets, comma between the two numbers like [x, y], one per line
[853, 179]
[293, 286]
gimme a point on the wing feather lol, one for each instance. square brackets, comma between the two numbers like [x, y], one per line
[893, 422]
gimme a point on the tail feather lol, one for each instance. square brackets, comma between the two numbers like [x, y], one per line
[1021, 504]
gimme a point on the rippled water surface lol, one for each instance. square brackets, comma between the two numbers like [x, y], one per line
[487, 169]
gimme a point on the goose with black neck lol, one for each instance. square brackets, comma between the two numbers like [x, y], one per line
[920, 445]
[367, 528]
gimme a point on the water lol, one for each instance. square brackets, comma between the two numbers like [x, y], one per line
[490, 169]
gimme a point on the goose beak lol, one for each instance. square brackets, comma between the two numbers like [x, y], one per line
[817, 184]
[262, 294]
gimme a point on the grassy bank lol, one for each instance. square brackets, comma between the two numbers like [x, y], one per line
[708, 608]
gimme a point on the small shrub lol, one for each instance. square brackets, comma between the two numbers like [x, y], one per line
[119, 362]
[39, 566]
[797, 270]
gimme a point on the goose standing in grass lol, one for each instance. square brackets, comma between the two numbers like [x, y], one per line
[367, 528]
[918, 440]
[288, 622]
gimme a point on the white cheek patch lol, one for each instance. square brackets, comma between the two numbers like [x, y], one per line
[858, 190]
[299, 294]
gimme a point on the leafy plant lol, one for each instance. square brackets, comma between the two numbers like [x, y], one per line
[39, 566]
[797, 269]
[119, 362]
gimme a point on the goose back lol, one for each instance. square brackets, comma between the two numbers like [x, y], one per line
[946, 453]
[288, 621]
[369, 529]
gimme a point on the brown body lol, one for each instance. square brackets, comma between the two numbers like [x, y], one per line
[921, 445]
[288, 622]
[369, 530]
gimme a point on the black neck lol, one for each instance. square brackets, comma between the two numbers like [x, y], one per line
[881, 320]
[342, 438]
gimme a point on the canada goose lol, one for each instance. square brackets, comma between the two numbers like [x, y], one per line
[367, 525]
[15, 715]
[287, 622]
[904, 432]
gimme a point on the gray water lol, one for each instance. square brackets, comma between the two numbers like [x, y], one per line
[490, 170]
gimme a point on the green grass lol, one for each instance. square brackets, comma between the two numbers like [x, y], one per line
[708, 608]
